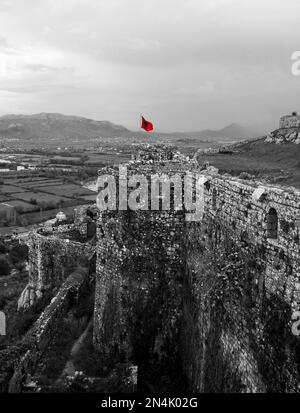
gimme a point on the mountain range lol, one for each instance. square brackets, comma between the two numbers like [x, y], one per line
[47, 125]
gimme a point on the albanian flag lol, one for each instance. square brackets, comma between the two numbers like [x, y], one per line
[148, 126]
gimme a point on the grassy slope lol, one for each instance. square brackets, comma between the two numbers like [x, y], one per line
[278, 164]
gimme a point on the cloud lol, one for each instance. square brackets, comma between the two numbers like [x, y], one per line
[40, 68]
[180, 61]
[3, 42]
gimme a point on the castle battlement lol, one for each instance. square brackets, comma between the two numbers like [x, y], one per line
[289, 121]
[227, 281]
[215, 295]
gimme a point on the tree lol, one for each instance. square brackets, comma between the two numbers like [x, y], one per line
[19, 253]
[4, 267]
[3, 248]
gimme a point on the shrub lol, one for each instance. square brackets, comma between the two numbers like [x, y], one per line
[245, 175]
[26, 319]
[3, 302]
[3, 248]
[4, 267]
[20, 266]
[19, 253]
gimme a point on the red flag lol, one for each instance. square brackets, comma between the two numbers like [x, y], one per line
[148, 126]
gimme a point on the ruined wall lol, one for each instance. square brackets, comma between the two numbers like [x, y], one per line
[241, 288]
[21, 360]
[289, 121]
[159, 152]
[236, 278]
[138, 286]
[51, 260]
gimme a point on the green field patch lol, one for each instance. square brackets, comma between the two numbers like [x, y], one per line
[43, 183]
[11, 189]
[90, 197]
[42, 198]
[17, 181]
[64, 166]
[22, 206]
[107, 158]
[66, 158]
[69, 190]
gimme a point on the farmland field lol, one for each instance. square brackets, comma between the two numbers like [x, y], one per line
[41, 184]
[66, 158]
[107, 158]
[10, 189]
[17, 181]
[3, 198]
[90, 197]
[29, 194]
[40, 197]
[25, 206]
[69, 190]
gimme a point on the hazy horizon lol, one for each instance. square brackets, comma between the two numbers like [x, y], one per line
[185, 65]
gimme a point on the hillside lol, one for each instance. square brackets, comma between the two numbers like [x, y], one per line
[53, 125]
[234, 131]
[46, 125]
[278, 164]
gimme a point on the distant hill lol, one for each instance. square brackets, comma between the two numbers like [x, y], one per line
[46, 125]
[234, 131]
[54, 125]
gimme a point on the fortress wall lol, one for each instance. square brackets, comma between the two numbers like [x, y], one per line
[51, 260]
[138, 285]
[21, 360]
[242, 290]
[239, 324]
[236, 284]
[59, 229]
[289, 121]
[248, 219]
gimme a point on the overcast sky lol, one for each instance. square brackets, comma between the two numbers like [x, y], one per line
[185, 64]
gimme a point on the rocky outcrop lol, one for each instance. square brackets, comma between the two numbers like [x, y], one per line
[283, 135]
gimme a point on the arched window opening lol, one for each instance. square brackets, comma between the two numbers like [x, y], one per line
[272, 224]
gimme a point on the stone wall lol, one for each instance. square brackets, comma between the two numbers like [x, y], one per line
[155, 153]
[241, 288]
[138, 286]
[21, 360]
[51, 260]
[233, 278]
[289, 121]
